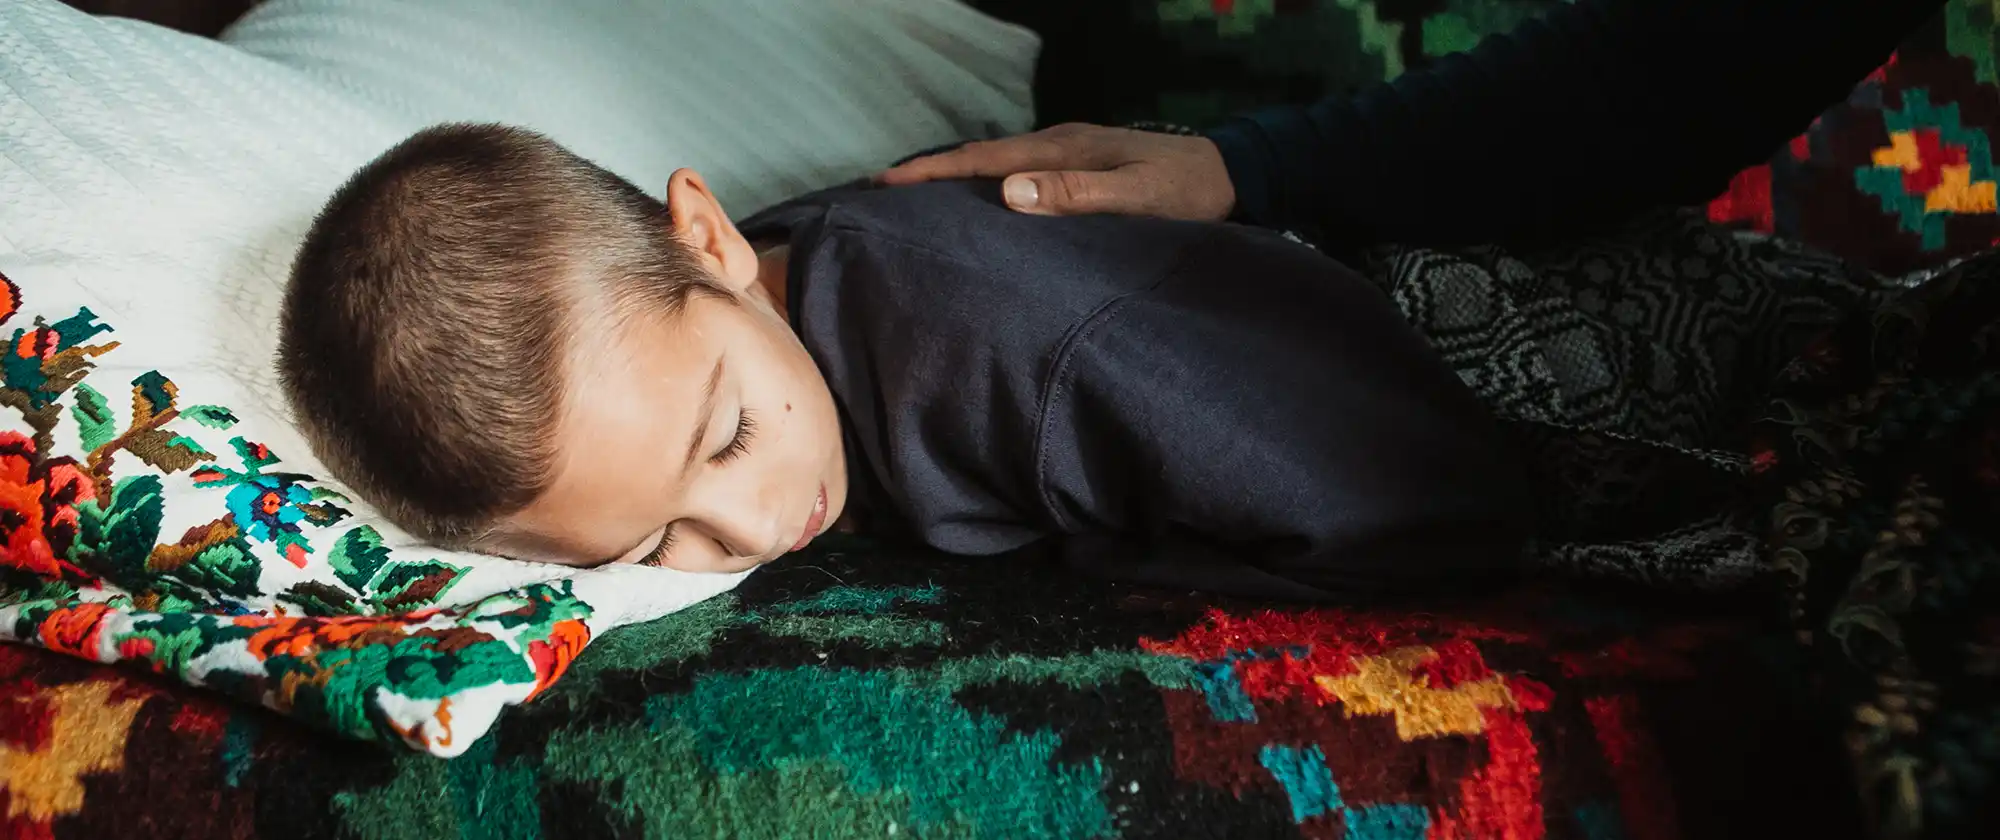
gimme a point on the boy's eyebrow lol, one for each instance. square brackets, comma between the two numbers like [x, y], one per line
[701, 417]
[694, 445]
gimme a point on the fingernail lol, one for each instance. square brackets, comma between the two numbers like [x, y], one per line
[1021, 193]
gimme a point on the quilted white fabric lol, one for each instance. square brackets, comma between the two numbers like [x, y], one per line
[163, 181]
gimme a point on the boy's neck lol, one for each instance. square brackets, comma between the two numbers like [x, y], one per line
[773, 271]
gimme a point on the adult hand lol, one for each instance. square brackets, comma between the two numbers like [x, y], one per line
[1073, 169]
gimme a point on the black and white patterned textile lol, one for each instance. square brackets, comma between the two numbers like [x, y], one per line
[1630, 365]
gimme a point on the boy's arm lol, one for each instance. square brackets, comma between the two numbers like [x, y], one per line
[1265, 422]
[1600, 109]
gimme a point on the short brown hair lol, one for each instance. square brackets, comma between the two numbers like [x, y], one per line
[432, 310]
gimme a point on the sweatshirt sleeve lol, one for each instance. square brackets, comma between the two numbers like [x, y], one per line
[1265, 423]
[1599, 109]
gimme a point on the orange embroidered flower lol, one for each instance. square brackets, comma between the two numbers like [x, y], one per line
[67, 485]
[73, 630]
[136, 647]
[23, 544]
[552, 657]
[302, 636]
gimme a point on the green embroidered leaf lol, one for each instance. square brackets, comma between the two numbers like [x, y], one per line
[320, 494]
[95, 424]
[409, 586]
[213, 630]
[19, 587]
[152, 395]
[256, 456]
[77, 329]
[171, 595]
[226, 567]
[336, 686]
[428, 670]
[212, 416]
[116, 536]
[169, 651]
[319, 599]
[357, 556]
[539, 607]
[28, 621]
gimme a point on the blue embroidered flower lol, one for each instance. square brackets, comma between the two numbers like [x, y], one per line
[270, 507]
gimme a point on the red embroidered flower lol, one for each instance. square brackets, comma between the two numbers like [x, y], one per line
[552, 657]
[74, 630]
[23, 545]
[135, 647]
[38, 516]
[67, 485]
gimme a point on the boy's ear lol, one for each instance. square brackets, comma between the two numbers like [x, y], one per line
[700, 223]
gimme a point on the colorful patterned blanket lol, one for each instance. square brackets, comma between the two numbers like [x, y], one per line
[858, 690]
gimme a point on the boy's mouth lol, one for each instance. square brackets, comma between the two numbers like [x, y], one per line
[815, 522]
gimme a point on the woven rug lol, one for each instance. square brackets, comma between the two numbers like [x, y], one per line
[858, 691]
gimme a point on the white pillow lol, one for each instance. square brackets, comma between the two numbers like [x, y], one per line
[767, 98]
[162, 182]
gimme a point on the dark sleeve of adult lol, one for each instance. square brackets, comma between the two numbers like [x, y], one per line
[1600, 109]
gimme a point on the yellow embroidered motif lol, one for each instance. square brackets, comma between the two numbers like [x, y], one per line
[1936, 171]
[1901, 153]
[1957, 193]
[1386, 685]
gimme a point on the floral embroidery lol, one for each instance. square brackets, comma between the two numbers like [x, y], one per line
[73, 630]
[357, 640]
[273, 504]
[552, 657]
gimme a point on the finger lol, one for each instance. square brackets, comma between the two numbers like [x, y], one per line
[989, 159]
[1071, 192]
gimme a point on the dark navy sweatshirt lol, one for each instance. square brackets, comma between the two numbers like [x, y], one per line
[1209, 406]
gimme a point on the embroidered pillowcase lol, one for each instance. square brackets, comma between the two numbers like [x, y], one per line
[156, 506]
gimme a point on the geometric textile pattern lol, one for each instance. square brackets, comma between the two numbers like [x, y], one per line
[1628, 365]
[1933, 165]
[858, 691]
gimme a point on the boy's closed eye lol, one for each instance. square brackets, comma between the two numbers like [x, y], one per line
[738, 445]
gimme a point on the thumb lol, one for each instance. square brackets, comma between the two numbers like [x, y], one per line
[1068, 192]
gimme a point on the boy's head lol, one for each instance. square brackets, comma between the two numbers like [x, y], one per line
[506, 348]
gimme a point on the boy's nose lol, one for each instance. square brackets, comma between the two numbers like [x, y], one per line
[747, 534]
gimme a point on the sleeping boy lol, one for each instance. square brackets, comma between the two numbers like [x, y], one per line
[506, 348]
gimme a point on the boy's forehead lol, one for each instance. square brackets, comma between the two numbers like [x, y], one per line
[620, 444]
